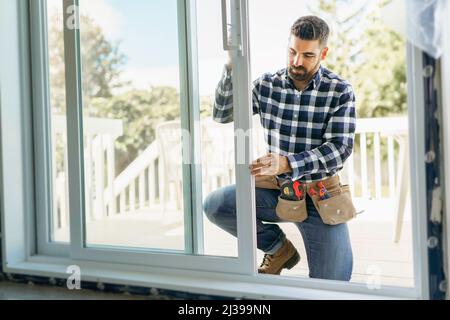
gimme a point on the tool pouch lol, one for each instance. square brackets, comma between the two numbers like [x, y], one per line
[287, 210]
[339, 207]
[293, 211]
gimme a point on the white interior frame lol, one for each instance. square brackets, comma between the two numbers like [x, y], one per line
[193, 272]
[16, 172]
[42, 136]
[78, 247]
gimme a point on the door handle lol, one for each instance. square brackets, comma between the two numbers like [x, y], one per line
[226, 45]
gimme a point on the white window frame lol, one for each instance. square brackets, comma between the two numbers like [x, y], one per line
[202, 274]
[77, 248]
[42, 131]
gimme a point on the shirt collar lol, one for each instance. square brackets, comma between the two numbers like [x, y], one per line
[312, 84]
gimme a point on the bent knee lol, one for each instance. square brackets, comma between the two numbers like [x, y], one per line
[208, 205]
[212, 204]
[218, 202]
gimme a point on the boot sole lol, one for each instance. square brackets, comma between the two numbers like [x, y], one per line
[290, 263]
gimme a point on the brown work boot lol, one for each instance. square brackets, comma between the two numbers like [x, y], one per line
[286, 257]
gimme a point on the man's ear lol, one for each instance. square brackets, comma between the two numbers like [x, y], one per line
[324, 53]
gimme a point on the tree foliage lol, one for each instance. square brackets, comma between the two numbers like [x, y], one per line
[105, 95]
[364, 51]
[101, 62]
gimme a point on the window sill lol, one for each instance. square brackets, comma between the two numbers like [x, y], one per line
[233, 286]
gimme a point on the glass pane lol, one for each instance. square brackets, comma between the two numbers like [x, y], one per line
[59, 219]
[367, 48]
[217, 143]
[131, 122]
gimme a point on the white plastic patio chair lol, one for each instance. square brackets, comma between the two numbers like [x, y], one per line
[219, 151]
[168, 136]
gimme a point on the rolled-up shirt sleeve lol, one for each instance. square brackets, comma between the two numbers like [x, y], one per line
[338, 141]
[223, 102]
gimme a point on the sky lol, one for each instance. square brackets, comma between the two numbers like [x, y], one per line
[148, 34]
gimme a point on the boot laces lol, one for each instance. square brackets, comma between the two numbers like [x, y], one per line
[267, 260]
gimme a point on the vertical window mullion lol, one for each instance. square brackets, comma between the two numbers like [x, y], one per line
[190, 118]
[42, 122]
[74, 123]
[185, 123]
[245, 186]
[42, 130]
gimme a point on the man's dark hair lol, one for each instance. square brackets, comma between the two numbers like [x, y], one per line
[311, 28]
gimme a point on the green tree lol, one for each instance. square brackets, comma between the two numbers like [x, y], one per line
[366, 52]
[101, 62]
[372, 57]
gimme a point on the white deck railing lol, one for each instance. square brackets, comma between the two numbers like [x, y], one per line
[392, 131]
[140, 185]
[99, 137]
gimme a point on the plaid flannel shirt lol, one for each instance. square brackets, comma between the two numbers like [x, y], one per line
[314, 128]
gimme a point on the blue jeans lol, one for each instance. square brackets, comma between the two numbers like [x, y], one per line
[328, 248]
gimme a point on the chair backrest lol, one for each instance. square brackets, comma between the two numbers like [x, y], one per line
[217, 145]
[218, 142]
[168, 135]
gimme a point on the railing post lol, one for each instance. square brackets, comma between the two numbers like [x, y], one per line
[151, 184]
[161, 184]
[377, 164]
[142, 190]
[132, 195]
[122, 204]
[364, 182]
[62, 185]
[99, 176]
[110, 162]
[351, 174]
[65, 188]
[56, 191]
[89, 178]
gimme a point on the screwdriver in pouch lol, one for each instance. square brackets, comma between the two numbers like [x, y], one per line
[323, 193]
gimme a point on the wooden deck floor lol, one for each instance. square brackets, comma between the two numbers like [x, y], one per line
[377, 259]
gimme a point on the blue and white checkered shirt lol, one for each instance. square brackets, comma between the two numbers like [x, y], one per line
[314, 128]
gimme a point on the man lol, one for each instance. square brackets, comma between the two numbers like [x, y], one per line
[308, 114]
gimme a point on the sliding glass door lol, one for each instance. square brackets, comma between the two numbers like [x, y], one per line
[132, 121]
[135, 151]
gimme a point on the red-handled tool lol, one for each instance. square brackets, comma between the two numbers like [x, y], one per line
[312, 192]
[298, 189]
[292, 190]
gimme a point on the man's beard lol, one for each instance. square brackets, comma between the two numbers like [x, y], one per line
[298, 73]
[302, 74]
